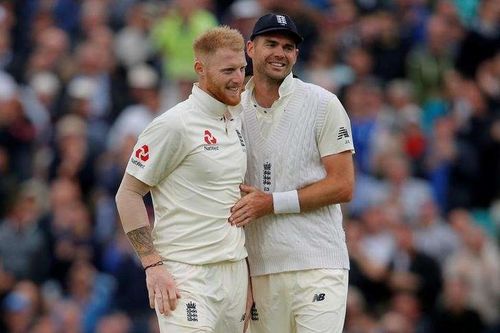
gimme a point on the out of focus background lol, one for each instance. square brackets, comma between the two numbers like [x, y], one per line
[420, 80]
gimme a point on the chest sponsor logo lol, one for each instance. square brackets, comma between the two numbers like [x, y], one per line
[210, 141]
[209, 138]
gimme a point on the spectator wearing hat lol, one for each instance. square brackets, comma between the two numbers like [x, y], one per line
[145, 88]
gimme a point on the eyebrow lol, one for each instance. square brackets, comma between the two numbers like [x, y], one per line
[233, 67]
[275, 40]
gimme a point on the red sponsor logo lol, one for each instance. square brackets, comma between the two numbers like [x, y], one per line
[142, 153]
[209, 138]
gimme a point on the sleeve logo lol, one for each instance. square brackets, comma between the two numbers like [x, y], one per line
[342, 133]
[142, 153]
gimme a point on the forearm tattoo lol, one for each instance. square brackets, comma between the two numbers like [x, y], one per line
[142, 241]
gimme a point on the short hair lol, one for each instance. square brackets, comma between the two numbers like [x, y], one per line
[220, 37]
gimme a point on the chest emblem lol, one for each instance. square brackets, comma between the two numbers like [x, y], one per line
[210, 141]
[209, 138]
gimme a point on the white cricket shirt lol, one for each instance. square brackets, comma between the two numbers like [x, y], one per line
[194, 158]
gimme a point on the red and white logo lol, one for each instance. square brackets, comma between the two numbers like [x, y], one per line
[142, 153]
[209, 138]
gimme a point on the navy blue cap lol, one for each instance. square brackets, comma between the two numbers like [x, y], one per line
[276, 23]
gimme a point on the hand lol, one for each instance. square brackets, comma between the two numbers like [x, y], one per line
[251, 206]
[248, 309]
[162, 289]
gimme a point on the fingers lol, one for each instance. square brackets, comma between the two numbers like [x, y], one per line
[237, 211]
[166, 300]
[167, 305]
[247, 188]
[238, 205]
[173, 295]
[151, 297]
[162, 291]
[248, 314]
[159, 301]
[244, 221]
[240, 217]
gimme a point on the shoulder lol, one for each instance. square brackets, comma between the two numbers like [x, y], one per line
[315, 89]
[172, 119]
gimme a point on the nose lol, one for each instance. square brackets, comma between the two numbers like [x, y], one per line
[239, 76]
[279, 52]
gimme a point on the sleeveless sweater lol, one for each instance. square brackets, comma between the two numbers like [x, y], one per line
[289, 159]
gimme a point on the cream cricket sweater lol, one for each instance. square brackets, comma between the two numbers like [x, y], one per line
[289, 159]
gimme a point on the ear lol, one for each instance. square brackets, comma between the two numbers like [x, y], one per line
[199, 68]
[250, 48]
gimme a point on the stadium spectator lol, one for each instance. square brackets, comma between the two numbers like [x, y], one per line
[420, 80]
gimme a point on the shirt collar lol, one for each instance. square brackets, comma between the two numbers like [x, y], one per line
[286, 87]
[210, 105]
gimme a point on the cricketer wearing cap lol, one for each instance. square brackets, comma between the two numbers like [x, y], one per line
[300, 168]
[192, 159]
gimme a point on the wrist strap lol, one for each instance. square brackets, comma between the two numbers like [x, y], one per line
[286, 202]
[158, 263]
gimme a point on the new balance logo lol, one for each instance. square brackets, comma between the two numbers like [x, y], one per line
[342, 133]
[191, 312]
[318, 297]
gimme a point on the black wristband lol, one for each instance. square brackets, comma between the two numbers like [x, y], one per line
[158, 263]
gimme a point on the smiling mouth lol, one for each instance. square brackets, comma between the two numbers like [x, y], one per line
[277, 64]
[234, 89]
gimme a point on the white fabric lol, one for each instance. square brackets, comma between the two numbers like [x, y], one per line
[269, 118]
[289, 159]
[213, 298]
[300, 301]
[195, 161]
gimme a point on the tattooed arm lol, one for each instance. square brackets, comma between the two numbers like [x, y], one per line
[142, 243]
[162, 290]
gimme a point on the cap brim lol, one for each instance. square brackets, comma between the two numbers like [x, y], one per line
[296, 37]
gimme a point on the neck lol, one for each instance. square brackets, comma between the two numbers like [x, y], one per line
[266, 91]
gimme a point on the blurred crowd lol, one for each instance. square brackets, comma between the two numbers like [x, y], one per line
[420, 80]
